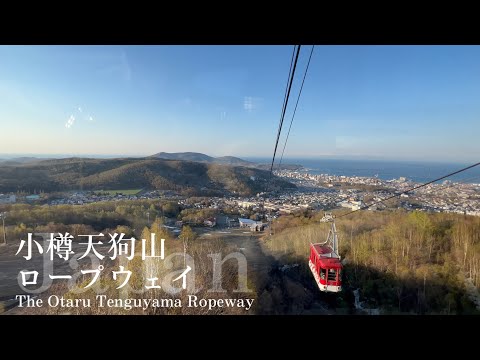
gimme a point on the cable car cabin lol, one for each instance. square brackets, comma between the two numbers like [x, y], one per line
[326, 268]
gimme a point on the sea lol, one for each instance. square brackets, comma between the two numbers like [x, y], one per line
[417, 171]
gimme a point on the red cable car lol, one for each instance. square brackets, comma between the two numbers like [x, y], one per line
[324, 261]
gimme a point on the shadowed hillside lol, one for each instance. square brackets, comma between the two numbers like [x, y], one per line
[401, 262]
[151, 173]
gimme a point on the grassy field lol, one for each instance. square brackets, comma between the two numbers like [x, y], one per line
[114, 192]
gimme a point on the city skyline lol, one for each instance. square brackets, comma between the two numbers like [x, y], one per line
[386, 102]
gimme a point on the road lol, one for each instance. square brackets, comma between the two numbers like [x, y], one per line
[279, 292]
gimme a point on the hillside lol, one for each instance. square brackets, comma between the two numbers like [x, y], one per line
[20, 160]
[232, 160]
[150, 173]
[199, 157]
[400, 262]
[186, 156]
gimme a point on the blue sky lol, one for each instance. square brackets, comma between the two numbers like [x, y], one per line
[390, 102]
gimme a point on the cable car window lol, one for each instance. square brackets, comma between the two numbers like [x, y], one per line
[332, 275]
[322, 273]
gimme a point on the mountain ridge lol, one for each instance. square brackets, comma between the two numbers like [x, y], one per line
[127, 173]
[200, 157]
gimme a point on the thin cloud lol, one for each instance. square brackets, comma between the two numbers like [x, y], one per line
[90, 118]
[79, 109]
[248, 103]
[251, 103]
[70, 122]
[223, 115]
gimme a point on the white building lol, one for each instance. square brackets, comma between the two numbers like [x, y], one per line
[354, 205]
[252, 224]
[246, 222]
[246, 204]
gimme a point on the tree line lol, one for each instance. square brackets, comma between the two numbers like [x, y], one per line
[401, 261]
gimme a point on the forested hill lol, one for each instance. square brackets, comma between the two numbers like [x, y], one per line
[151, 173]
[400, 262]
[223, 160]
[194, 156]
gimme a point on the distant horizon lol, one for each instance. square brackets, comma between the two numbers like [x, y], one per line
[262, 158]
[394, 103]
